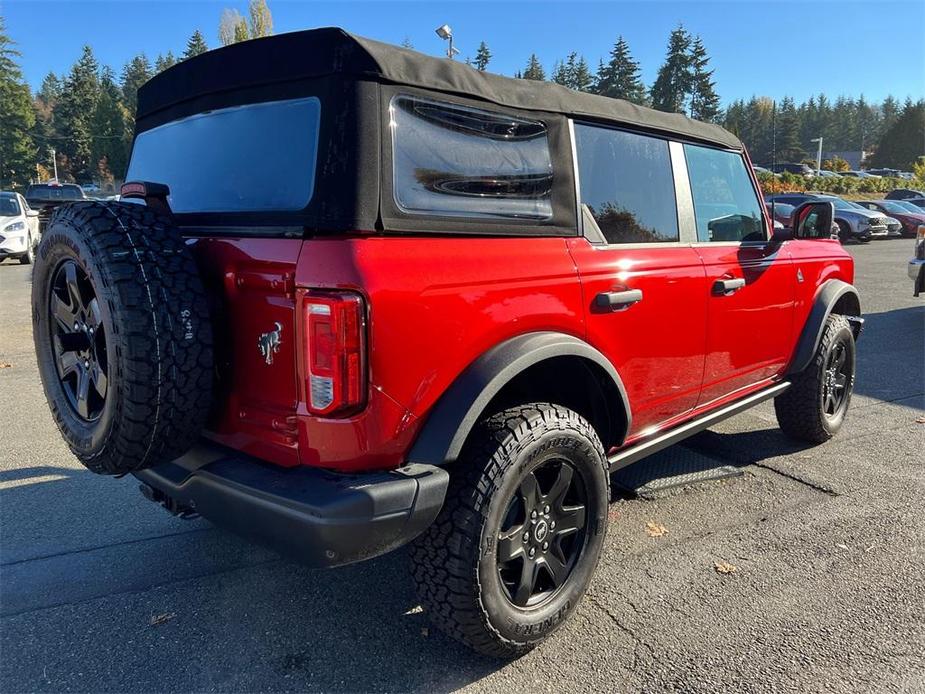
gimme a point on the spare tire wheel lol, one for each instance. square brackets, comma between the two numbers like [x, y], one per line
[122, 335]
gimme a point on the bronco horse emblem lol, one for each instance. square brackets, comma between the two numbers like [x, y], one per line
[269, 343]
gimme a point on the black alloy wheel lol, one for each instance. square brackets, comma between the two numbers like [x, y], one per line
[79, 340]
[542, 533]
[835, 381]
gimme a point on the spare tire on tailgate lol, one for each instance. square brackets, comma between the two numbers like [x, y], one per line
[122, 335]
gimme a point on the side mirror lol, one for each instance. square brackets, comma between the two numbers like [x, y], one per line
[32, 213]
[813, 220]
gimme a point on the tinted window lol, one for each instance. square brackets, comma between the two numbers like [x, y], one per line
[627, 184]
[726, 206]
[455, 160]
[242, 159]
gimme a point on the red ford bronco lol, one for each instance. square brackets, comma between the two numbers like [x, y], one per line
[357, 297]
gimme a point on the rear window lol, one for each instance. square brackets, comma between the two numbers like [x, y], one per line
[627, 185]
[460, 161]
[63, 192]
[254, 158]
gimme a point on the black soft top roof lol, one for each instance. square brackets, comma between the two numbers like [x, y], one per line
[331, 51]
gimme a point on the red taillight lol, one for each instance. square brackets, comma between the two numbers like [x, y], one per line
[335, 352]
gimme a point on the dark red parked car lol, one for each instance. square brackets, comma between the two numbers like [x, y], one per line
[361, 297]
[897, 210]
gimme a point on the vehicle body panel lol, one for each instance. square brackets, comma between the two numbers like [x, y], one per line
[663, 370]
[749, 330]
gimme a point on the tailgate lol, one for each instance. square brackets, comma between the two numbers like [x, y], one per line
[250, 283]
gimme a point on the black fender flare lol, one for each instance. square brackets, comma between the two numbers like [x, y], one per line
[826, 298]
[458, 410]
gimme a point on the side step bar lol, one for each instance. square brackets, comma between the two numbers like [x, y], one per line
[628, 456]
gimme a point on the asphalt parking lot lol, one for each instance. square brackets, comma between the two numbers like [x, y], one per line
[102, 591]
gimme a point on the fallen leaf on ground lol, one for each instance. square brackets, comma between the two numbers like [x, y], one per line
[724, 567]
[158, 619]
[920, 420]
[5, 365]
[841, 546]
[655, 529]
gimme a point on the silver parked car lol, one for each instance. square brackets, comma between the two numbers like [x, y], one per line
[855, 223]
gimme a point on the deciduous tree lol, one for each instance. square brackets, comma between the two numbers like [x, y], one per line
[261, 20]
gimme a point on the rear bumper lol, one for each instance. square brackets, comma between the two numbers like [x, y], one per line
[320, 518]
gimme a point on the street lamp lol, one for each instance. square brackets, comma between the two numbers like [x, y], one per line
[818, 154]
[446, 33]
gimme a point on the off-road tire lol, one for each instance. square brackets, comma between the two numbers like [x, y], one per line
[799, 409]
[28, 257]
[454, 562]
[158, 337]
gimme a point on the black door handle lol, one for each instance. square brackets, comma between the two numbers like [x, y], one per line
[616, 301]
[728, 286]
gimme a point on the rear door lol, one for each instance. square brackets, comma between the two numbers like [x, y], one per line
[751, 284]
[642, 282]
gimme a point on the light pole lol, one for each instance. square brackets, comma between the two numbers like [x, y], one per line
[446, 33]
[54, 163]
[818, 154]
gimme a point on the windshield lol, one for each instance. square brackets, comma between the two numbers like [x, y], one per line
[250, 158]
[907, 206]
[892, 207]
[839, 203]
[65, 192]
[9, 207]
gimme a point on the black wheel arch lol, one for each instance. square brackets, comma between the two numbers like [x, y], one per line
[501, 375]
[834, 296]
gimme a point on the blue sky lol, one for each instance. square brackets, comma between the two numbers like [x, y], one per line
[767, 48]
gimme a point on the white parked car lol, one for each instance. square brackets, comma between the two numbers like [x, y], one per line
[19, 228]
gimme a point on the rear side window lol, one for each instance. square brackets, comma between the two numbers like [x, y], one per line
[62, 192]
[725, 203]
[254, 158]
[627, 185]
[452, 160]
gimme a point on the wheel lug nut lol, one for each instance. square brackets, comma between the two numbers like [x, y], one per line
[526, 536]
[533, 514]
[552, 525]
[545, 509]
[532, 551]
[76, 325]
[545, 546]
[86, 364]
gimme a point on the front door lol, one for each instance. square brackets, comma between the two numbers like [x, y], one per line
[642, 287]
[750, 283]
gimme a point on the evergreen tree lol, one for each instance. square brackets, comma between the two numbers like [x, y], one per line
[261, 21]
[196, 45]
[902, 143]
[109, 126]
[50, 91]
[704, 101]
[135, 73]
[573, 73]
[73, 116]
[534, 69]
[673, 83]
[619, 78]
[788, 133]
[482, 57]
[406, 43]
[17, 118]
[167, 60]
[889, 112]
